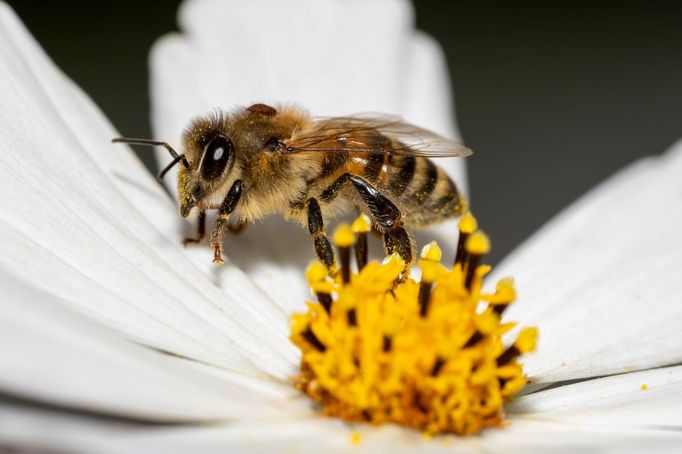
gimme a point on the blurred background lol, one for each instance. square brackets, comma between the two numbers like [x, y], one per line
[553, 99]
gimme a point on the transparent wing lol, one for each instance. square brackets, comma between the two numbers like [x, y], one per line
[375, 133]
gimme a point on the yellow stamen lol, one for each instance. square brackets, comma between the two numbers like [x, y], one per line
[432, 252]
[362, 224]
[527, 339]
[468, 223]
[426, 354]
[343, 236]
[478, 243]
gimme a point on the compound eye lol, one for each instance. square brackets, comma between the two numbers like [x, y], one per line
[216, 156]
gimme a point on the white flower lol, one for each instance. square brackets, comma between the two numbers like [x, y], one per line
[95, 288]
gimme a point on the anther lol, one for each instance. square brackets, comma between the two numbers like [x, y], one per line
[437, 366]
[316, 274]
[476, 246]
[361, 226]
[474, 339]
[431, 252]
[387, 343]
[429, 275]
[504, 296]
[352, 317]
[424, 297]
[312, 339]
[430, 266]
[467, 225]
[524, 343]
[344, 239]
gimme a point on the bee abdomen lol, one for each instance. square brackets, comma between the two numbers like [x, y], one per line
[446, 199]
[432, 195]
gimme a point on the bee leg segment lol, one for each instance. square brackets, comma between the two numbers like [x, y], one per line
[222, 223]
[201, 231]
[387, 218]
[398, 240]
[333, 189]
[323, 248]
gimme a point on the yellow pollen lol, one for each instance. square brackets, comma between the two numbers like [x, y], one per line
[478, 243]
[527, 339]
[430, 270]
[316, 274]
[362, 224]
[504, 293]
[644, 387]
[355, 438]
[468, 223]
[385, 348]
[432, 252]
[343, 235]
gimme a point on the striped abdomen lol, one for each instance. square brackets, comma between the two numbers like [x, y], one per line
[423, 191]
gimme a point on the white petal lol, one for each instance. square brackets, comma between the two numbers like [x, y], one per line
[322, 435]
[39, 430]
[68, 228]
[650, 398]
[51, 354]
[531, 435]
[429, 87]
[330, 57]
[601, 280]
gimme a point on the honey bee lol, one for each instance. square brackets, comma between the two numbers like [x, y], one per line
[259, 160]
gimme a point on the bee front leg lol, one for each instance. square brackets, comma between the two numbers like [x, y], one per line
[222, 223]
[323, 248]
[201, 231]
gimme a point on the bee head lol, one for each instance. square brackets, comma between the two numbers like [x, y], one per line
[210, 152]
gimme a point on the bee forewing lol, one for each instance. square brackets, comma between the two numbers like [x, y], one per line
[354, 133]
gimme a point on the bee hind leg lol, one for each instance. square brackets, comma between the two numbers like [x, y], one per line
[323, 249]
[387, 219]
[201, 231]
[398, 240]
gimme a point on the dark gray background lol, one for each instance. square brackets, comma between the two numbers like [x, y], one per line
[552, 98]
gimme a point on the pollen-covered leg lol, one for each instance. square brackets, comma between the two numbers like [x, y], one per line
[222, 223]
[398, 241]
[323, 248]
[201, 232]
[387, 218]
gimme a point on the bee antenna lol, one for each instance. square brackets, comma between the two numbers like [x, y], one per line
[176, 157]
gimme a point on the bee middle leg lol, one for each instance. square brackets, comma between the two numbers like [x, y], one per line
[386, 216]
[201, 231]
[323, 248]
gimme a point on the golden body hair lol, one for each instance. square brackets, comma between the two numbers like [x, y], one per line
[260, 160]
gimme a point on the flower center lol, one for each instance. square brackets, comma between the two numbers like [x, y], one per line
[381, 347]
